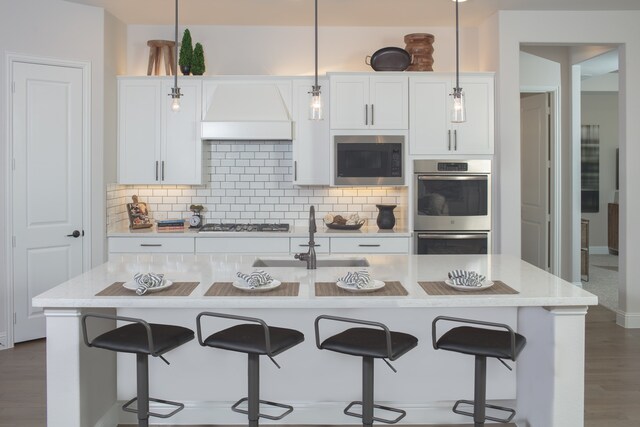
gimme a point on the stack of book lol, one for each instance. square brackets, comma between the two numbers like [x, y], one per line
[170, 225]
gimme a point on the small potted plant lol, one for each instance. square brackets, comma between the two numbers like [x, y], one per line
[186, 53]
[197, 65]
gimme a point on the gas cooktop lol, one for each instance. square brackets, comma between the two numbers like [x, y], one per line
[244, 227]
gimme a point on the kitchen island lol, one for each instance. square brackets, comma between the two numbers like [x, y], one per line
[85, 386]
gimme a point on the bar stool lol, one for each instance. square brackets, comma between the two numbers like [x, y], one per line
[370, 344]
[481, 343]
[158, 49]
[255, 340]
[143, 339]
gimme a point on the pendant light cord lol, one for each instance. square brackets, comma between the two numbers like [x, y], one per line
[316, 45]
[457, 51]
[175, 79]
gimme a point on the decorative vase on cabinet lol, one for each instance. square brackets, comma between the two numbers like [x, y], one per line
[386, 220]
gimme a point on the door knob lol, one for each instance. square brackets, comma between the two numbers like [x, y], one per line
[75, 234]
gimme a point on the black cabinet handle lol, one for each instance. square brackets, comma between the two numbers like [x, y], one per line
[163, 170]
[155, 245]
[368, 246]
[75, 234]
[156, 170]
[306, 246]
[372, 116]
[366, 114]
[449, 140]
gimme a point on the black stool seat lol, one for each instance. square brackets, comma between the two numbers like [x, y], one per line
[250, 338]
[133, 338]
[481, 342]
[368, 342]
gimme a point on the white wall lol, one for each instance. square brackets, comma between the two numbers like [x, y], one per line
[61, 30]
[567, 27]
[289, 50]
[602, 109]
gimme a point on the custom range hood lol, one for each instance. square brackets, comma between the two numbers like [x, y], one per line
[246, 111]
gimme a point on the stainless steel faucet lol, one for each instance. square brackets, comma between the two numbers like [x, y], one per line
[310, 256]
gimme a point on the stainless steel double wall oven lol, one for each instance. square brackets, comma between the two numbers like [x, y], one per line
[452, 206]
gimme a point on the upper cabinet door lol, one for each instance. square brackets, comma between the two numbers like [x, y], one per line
[181, 154]
[475, 136]
[431, 130]
[349, 102]
[311, 139]
[389, 102]
[139, 103]
[369, 102]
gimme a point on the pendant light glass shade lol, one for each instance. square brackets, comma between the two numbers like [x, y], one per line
[315, 107]
[315, 103]
[458, 110]
[175, 90]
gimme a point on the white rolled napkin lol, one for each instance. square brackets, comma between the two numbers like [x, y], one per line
[146, 281]
[359, 279]
[466, 278]
[256, 279]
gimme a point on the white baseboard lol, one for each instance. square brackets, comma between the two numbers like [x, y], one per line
[3, 340]
[628, 320]
[325, 413]
[598, 250]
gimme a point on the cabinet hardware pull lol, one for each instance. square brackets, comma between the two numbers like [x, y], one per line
[163, 170]
[372, 116]
[449, 139]
[156, 245]
[156, 170]
[306, 246]
[368, 246]
[455, 140]
[295, 170]
[366, 114]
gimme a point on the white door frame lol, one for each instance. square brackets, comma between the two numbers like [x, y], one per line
[556, 168]
[12, 58]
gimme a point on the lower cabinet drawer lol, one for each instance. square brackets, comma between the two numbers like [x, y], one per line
[373, 245]
[151, 244]
[243, 245]
[301, 244]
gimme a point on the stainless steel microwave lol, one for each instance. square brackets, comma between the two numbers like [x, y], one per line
[369, 160]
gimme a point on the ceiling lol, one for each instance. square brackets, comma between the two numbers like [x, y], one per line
[333, 12]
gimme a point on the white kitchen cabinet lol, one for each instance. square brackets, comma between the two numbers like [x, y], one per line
[151, 244]
[370, 245]
[301, 244]
[236, 245]
[155, 144]
[369, 102]
[311, 139]
[431, 130]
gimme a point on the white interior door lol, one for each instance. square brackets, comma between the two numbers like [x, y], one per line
[535, 164]
[47, 114]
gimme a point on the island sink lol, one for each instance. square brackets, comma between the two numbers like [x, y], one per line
[342, 262]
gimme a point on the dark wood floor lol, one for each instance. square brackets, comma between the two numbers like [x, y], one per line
[612, 390]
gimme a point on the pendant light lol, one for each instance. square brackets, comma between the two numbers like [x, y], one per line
[458, 111]
[315, 105]
[175, 90]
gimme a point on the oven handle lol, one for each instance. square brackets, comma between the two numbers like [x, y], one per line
[452, 236]
[453, 177]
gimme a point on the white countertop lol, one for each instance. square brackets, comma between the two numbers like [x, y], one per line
[536, 287]
[294, 231]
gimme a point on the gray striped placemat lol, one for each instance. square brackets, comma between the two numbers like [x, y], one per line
[441, 288]
[226, 289]
[330, 289]
[177, 289]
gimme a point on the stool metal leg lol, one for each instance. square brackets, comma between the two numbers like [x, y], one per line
[254, 389]
[480, 391]
[367, 391]
[142, 373]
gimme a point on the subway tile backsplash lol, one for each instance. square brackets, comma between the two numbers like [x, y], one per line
[252, 182]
